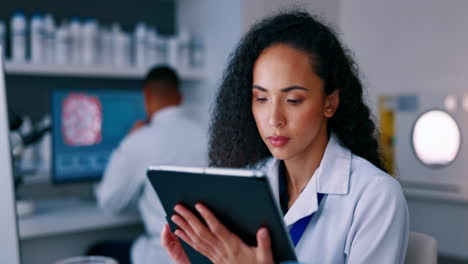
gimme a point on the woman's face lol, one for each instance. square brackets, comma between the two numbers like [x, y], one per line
[289, 104]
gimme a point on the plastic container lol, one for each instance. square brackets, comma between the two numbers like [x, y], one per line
[151, 48]
[139, 45]
[161, 47]
[173, 52]
[105, 47]
[18, 37]
[117, 46]
[37, 38]
[62, 45]
[75, 41]
[197, 54]
[127, 49]
[49, 39]
[90, 29]
[183, 52]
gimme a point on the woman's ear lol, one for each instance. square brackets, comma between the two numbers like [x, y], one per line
[332, 101]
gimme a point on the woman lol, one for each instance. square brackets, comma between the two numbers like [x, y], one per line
[291, 103]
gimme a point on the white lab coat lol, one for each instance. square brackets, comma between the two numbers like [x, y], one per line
[363, 217]
[170, 139]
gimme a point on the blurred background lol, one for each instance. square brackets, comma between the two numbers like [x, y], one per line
[412, 57]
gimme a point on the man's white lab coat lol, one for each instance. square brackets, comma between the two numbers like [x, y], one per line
[170, 139]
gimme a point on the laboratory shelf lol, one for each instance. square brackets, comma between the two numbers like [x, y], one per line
[90, 71]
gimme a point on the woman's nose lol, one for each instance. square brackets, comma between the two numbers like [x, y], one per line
[276, 117]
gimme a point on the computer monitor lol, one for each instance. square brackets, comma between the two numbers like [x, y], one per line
[9, 244]
[87, 125]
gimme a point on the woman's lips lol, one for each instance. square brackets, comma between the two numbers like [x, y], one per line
[278, 141]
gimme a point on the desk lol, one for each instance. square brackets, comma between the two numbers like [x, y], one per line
[62, 229]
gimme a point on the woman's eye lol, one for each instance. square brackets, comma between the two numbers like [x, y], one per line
[260, 99]
[294, 101]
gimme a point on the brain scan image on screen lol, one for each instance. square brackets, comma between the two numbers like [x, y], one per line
[87, 126]
[82, 120]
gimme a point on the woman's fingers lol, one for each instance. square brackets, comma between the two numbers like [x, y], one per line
[198, 245]
[215, 241]
[167, 238]
[187, 234]
[264, 254]
[195, 224]
[197, 233]
[184, 237]
[173, 246]
[182, 224]
[218, 229]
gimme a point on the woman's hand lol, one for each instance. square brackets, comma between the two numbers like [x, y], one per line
[173, 246]
[216, 242]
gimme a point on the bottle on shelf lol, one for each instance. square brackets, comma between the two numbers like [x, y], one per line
[161, 47]
[85, 42]
[105, 47]
[117, 46]
[139, 45]
[151, 48]
[197, 54]
[49, 39]
[62, 45]
[183, 51]
[127, 48]
[75, 40]
[18, 37]
[172, 51]
[89, 38]
[37, 39]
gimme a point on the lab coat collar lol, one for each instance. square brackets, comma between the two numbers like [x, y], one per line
[335, 169]
[166, 112]
[331, 177]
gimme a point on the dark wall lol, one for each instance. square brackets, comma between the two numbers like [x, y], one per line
[159, 13]
[28, 95]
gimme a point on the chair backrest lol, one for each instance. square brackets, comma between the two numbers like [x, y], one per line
[422, 249]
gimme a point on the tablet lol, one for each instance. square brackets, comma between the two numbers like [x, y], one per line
[241, 199]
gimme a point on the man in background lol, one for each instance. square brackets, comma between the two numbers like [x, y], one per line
[168, 137]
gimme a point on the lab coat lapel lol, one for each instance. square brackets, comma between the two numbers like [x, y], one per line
[331, 177]
[335, 169]
[306, 204]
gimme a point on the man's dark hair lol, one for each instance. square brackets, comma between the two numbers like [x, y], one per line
[162, 74]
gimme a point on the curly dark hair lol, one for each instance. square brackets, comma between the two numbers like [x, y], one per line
[235, 141]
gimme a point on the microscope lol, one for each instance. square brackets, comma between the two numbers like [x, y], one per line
[21, 140]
